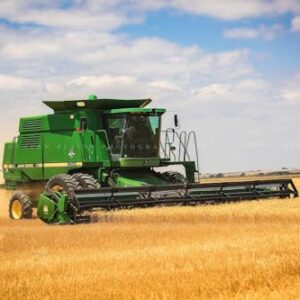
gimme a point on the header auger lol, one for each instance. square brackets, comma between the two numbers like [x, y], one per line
[105, 154]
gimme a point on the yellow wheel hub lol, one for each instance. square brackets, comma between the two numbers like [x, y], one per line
[16, 209]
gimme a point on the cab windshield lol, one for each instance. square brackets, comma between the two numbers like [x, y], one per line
[133, 135]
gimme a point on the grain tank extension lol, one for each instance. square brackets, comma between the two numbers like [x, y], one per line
[105, 154]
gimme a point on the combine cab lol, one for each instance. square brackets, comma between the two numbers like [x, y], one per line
[105, 154]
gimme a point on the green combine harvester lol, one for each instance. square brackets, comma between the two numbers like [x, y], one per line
[106, 154]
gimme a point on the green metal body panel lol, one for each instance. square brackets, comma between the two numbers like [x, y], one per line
[75, 138]
[54, 210]
[189, 166]
[143, 162]
[138, 177]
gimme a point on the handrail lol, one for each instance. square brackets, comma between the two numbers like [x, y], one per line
[184, 141]
[193, 134]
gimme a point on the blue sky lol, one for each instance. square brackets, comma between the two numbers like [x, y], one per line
[231, 69]
[280, 52]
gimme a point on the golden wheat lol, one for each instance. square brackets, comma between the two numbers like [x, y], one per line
[244, 250]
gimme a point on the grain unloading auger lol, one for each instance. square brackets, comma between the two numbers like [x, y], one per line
[106, 154]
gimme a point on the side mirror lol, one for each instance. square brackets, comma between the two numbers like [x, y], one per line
[176, 123]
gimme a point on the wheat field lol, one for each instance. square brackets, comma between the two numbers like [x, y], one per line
[248, 250]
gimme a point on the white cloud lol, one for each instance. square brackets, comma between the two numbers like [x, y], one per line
[223, 9]
[265, 32]
[82, 53]
[296, 23]
[227, 10]
[164, 85]
[253, 84]
[75, 19]
[291, 90]
[108, 15]
[102, 81]
[291, 94]
[28, 49]
[242, 91]
[15, 83]
[214, 91]
[79, 15]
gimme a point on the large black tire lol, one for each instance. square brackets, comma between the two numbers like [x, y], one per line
[62, 182]
[174, 177]
[65, 183]
[20, 206]
[86, 181]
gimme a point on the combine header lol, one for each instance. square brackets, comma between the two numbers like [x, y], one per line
[106, 154]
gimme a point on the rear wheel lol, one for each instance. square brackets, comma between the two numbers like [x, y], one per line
[86, 181]
[20, 206]
[174, 177]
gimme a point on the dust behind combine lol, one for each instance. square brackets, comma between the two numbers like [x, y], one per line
[240, 250]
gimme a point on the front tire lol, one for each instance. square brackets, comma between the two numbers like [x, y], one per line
[65, 183]
[20, 206]
[62, 183]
